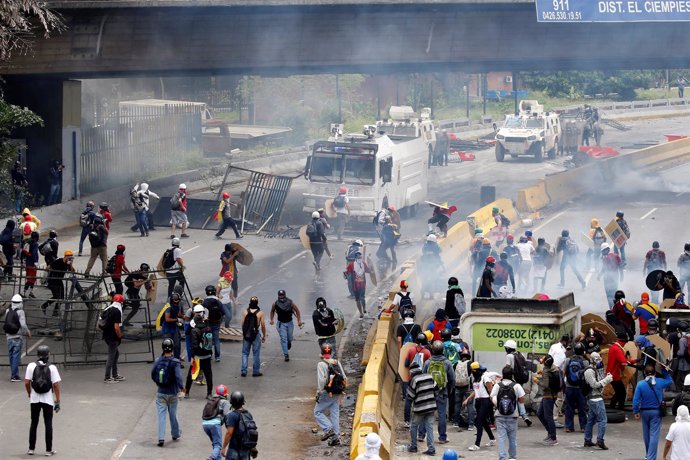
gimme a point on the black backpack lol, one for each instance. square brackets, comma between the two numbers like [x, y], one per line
[168, 258]
[249, 433]
[520, 371]
[504, 220]
[312, 231]
[555, 381]
[215, 310]
[250, 326]
[211, 408]
[103, 319]
[335, 383]
[12, 324]
[162, 373]
[110, 266]
[339, 201]
[405, 302]
[175, 202]
[506, 398]
[41, 381]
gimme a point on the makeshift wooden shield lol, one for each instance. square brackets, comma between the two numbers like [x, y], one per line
[244, 257]
[372, 272]
[590, 320]
[403, 371]
[151, 286]
[304, 239]
[159, 318]
[662, 344]
[442, 205]
[340, 318]
[587, 241]
[328, 207]
[655, 280]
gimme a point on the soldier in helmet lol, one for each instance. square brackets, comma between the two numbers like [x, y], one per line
[42, 383]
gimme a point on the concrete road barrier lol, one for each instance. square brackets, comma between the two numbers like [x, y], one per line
[533, 198]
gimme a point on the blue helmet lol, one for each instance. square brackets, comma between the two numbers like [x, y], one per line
[450, 454]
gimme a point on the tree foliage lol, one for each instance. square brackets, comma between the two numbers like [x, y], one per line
[575, 84]
[19, 22]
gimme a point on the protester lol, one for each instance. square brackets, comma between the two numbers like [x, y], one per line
[86, 219]
[225, 291]
[408, 330]
[226, 217]
[325, 325]
[212, 417]
[504, 273]
[315, 233]
[174, 266]
[331, 385]
[521, 369]
[15, 329]
[418, 354]
[358, 270]
[463, 388]
[678, 437]
[404, 299]
[98, 239]
[506, 395]
[598, 237]
[684, 269]
[682, 398]
[134, 281]
[202, 349]
[527, 252]
[574, 399]
[655, 259]
[568, 248]
[29, 254]
[165, 373]
[550, 385]
[487, 281]
[543, 261]
[215, 312]
[169, 324]
[350, 256]
[8, 249]
[120, 267]
[439, 323]
[482, 386]
[623, 312]
[55, 280]
[341, 206]
[286, 309]
[616, 362]
[112, 335]
[422, 393]
[253, 334]
[228, 260]
[372, 443]
[239, 443]
[441, 370]
[455, 302]
[596, 381]
[647, 406]
[178, 212]
[626, 231]
[42, 383]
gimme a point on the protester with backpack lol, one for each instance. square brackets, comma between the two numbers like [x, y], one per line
[226, 296]
[358, 270]
[15, 328]
[42, 383]
[331, 385]
[285, 308]
[408, 330]
[683, 269]
[350, 255]
[171, 321]
[649, 406]
[439, 323]
[241, 434]
[527, 252]
[682, 398]
[503, 274]
[49, 248]
[341, 206]
[418, 354]
[455, 302]
[574, 398]
[8, 249]
[253, 334]
[441, 370]
[212, 417]
[421, 391]
[568, 248]
[506, 395]
[98, 239]
[593, 388]
[172, 263]
[655, 259]
[315, 233]
[178, 212]
[623, 224]
[521, 372]
[165, 373]
[404, 300]
[109, 322]
[462, 389]
[202, 348]
[550, 385]
[215, 310]
[134, 281]
[597, 235]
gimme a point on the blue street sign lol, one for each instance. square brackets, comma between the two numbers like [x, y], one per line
[612, 10]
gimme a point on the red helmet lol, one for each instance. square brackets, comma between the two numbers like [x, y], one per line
[491, 260]
[343, 189]
[510, 237]
[226, 195]
[221, 390]
[403, 284]
[118, 298]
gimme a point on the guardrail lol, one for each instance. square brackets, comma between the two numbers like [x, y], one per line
[376, 397]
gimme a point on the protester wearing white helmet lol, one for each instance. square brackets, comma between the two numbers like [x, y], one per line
[372, 443]
[141, 205]
[15, 327]
[178, 211]
[315, 233]
[678, 436]
[513, 355]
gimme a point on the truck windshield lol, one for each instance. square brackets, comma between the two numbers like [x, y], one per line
[349, 164]
[513, 122]
[534, 123]
[399, 130]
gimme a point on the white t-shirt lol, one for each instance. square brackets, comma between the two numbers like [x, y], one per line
[519, 393]
[343, 210]
[679, 435]
[46, 398]
[225, 294]
[557, 352]
[396, 299]
[480, 387]
[526, 250]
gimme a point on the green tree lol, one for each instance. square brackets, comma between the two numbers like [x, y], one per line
[574, 84]
[19, 22]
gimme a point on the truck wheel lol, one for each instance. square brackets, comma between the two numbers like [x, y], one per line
[500, 153]
[539, 152]
[554, 150]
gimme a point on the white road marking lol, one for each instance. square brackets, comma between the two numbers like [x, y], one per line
[120, 450]
[296, 256]
[648, 214]
[548, 221]
[33, 347]
[680, 194]
[190, 249]
[244, 291]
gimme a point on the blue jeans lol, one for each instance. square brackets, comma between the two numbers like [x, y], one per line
[442, 408]
[622, 252]
[651, 427]
[285, 333]
[214, 434]
[167, 403]
[506, 429]
[545, 414]
[596, 414]
[332, 405]
[574, 399]
[425, 421]
[215, 330]
[237, 454]
[142, 222]
[255, 346]
[84, 233]
[54, 195]
[188, 340]
[460, 395]
[14, 350]
[227, 309]
[408, 402]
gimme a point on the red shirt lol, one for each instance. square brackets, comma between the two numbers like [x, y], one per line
[616, 360]
[119, 262]
[426, 354]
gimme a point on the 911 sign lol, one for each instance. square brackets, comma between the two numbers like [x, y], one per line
[612, 10]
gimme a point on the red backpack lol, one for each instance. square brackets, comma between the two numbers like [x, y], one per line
[438, 327]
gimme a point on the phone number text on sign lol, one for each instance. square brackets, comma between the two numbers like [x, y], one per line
[492, 337]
